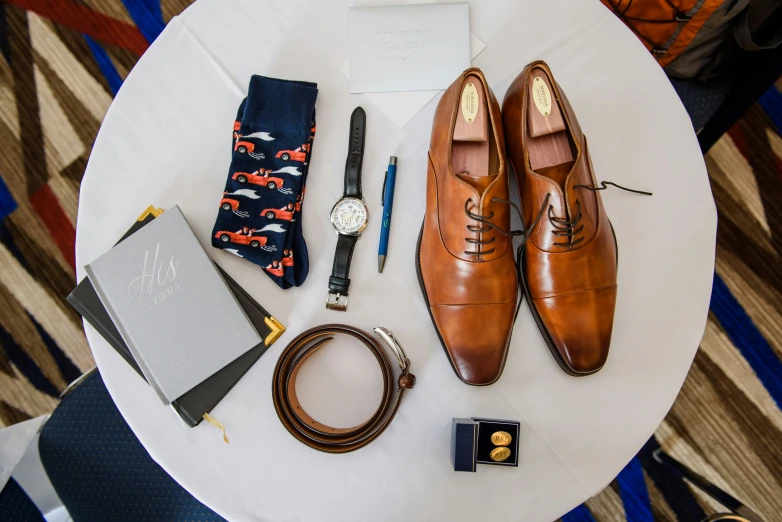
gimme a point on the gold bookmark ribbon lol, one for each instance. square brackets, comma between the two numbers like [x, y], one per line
[214, 422]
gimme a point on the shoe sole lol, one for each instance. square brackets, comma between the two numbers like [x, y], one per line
[431, 316]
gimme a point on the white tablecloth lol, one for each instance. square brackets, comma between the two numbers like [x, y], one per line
[167, 140]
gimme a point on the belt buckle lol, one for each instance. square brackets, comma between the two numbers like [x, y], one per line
[388, 337]
[333, 302]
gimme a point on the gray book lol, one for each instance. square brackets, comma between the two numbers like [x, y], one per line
[176, 314]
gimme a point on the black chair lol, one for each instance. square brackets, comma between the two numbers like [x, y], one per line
[99, 468]
[16, 505]
[739, 512]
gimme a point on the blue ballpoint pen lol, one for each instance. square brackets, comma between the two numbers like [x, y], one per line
[388, 202]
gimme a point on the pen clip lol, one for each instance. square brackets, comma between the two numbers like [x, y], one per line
[383, 197]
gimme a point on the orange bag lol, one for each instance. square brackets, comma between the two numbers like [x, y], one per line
[667, 27]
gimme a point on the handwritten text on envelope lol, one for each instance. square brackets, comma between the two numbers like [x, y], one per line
[408, 47]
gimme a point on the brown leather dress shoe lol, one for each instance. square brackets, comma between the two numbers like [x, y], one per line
[465, 266]
[568, 264]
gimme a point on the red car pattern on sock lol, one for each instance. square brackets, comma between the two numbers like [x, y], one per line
[259, 177]
[275, 268]
[242, 237]
[285, 213]
[246, 144]
[229, 203]
[299, 154]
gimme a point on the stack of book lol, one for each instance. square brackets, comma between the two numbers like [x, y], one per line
[176, 317]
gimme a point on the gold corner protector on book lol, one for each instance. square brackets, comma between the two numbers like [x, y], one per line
[276, 330]
[150, 211]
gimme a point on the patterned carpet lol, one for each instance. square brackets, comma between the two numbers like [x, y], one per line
[62, 62]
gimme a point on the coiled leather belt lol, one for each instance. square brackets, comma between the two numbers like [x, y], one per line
[315, 434]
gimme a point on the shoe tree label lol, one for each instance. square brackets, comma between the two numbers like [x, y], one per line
[470, 102]
[541, 96]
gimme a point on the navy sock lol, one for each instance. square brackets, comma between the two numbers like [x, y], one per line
[260, 212]
[298, 247]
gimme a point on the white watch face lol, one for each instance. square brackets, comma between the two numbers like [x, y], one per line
[349, 216]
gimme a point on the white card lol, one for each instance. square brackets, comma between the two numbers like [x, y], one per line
[408, 47]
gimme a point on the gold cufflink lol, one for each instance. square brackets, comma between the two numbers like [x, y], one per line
[499, 454]
[501, 438]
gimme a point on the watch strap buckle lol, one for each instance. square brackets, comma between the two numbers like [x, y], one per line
[334, 302]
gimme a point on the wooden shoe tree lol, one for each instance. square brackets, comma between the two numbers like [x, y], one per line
[470, 148]
[549, 148]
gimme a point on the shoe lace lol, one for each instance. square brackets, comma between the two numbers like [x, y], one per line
[484, 220]
[487, 225]
[562, 227]
[568, 228]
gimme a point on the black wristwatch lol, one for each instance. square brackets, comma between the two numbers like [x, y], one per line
[349, 215]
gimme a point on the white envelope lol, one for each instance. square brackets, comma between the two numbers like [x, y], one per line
[401, 107]
[413, 47]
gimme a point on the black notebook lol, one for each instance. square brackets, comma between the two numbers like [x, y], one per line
[201, 399]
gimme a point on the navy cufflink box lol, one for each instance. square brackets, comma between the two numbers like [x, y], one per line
[471, 442]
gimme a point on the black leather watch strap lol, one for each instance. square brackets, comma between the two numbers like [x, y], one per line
[339, 281]
[358, 123]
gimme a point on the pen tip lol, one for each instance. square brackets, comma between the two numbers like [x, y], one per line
[381, 260]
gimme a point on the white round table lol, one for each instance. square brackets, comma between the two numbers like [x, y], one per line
[167, 140]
